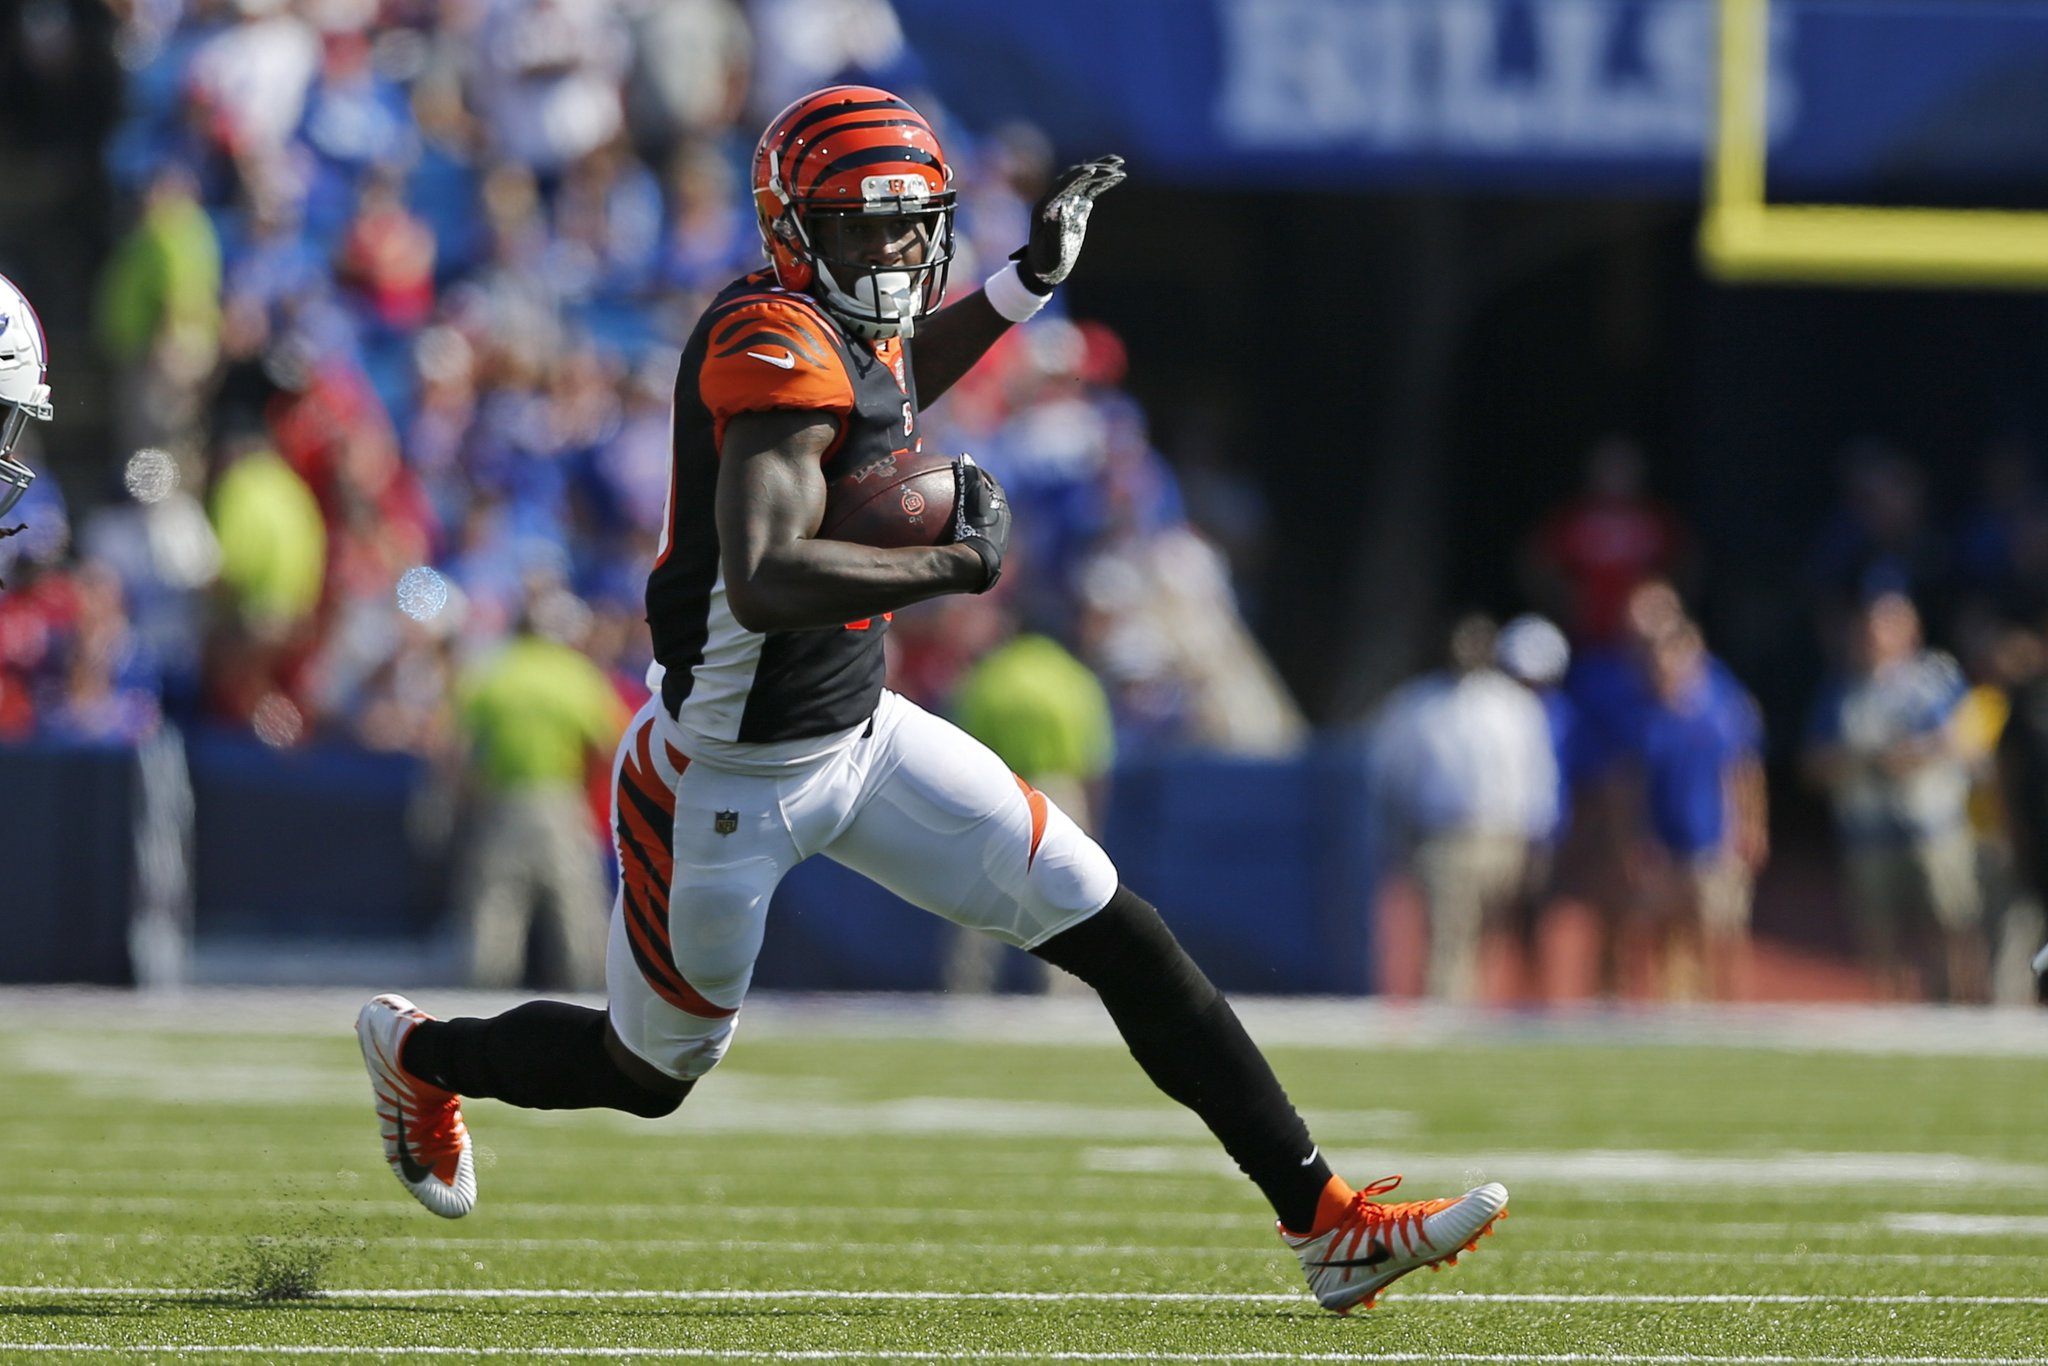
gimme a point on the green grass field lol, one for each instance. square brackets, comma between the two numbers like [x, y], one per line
[860, 1183]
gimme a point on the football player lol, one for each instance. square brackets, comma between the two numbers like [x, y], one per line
[770, 736]
[24, 387]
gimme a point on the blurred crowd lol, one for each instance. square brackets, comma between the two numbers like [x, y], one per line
[394, 319]
[1595, 757]
[393, 316]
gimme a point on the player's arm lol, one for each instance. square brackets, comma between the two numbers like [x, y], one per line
[949, 343]
[778, 575]
[952, 341]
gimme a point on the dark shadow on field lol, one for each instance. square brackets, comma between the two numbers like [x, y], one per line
[77, 1311]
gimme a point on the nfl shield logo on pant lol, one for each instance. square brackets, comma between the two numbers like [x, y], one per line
[726, 822]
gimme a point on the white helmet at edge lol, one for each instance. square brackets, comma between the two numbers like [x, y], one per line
[24, 386]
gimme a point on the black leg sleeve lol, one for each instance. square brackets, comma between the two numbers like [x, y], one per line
[544, 1055]
[1187, 1038]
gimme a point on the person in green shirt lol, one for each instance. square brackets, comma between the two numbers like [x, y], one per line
[158, 312]
[539, 719]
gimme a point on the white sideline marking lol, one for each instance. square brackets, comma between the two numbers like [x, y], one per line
[1451, 1298]
[743, 1354]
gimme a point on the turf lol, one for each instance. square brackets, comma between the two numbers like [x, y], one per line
[897, 1191]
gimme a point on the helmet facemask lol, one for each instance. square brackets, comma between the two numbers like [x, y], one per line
[830, 172]
[15, 477]
[879, 298]
[24, 394]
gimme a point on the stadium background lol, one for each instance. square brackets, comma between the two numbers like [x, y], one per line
[1401, 325]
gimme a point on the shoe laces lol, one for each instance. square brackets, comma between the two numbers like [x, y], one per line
[1364, 1217]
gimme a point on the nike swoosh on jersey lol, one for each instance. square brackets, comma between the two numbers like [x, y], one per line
[785, 361]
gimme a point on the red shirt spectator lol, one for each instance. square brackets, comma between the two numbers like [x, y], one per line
[1585, 556]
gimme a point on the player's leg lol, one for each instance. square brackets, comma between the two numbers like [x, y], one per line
[694, 902]
[1184, 1034]
[946, 826]
[546, 1055]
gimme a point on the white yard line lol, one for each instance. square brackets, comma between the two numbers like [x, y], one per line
[827, 1354]
[933, 1247]
[1438, 1299]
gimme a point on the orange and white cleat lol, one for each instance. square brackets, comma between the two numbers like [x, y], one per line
[1368, 1246]
[425, 1140]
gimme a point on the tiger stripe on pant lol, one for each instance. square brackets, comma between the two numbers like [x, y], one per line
[643, 822]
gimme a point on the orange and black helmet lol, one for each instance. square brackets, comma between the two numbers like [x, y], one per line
[856, 151]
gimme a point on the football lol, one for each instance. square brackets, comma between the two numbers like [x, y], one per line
[901, 499]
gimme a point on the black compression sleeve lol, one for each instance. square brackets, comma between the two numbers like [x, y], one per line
[544, 1055]
[1184, 1034]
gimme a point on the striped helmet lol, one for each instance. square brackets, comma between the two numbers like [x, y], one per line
[850, 164]
[24, 386]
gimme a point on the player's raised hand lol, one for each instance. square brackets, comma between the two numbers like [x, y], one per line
[1059, 221]
[981, 516]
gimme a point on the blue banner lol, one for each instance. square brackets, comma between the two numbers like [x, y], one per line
[1603, 95]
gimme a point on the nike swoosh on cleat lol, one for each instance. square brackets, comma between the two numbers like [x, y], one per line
[411, 1170]
[785, 361]
[1377, 1254]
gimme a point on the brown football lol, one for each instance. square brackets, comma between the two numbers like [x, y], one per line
[899, 500]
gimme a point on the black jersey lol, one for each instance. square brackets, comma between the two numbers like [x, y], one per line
[760, 347]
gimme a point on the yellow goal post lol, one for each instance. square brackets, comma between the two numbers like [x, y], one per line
[1745, 239]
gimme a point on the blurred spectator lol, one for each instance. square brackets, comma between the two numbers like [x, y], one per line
[537, 717]
[1463, 788]
[1607, 687]
[546, 75]
[1883, 743]
[1159, 624]
[248, 78]
[406, 701]
[356, 123]
[800, 45]
[38, 610]
[1877, 537]
[159, 313]
[1045, 715]
[692, 60]
[1697, 761]
[1585, 556]
[273, 561]
[2022, 759]
[709, 236]
[105, 691]
[1534, 652]
[2000, 663]
[161, 545]
[2002, 543]
[386, 257]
